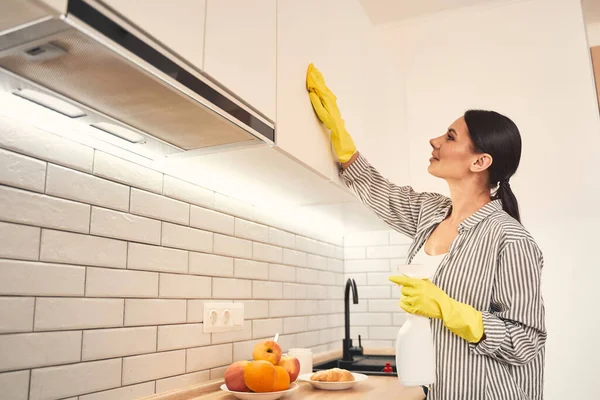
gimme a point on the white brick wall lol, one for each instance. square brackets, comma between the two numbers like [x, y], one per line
[64, 313]
[211, 220]
[251, 269]
[22, 171]
[72, 380]
[24, 207]
[15, 385]
[282, 308]
[30, 350]
[233, 247]
[186, 238]
[108, 343]
[181, 381]
[251, 230]
[104, 282]
[255, 309]
[74, 185]
[267, 253]
[201, 358]
[156, 258]
[210, 264]
[122, 393]
[233, 336]
[267, 290]
[73, 248]
[34, 278]
[187, 192]
[282, 273]
[159, 207]
[171, 337]
[119, 170]
[153, 366]
[44, 145]
[154, 312]
[370, 259]
[19, 241]
[184, 286]
[263, 328]
[224, 288]
[294, 257]
[16, 314]
[105, 266]
[121, 225]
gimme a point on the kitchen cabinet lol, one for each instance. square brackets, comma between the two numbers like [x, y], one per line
[179, 26]
[240, 49]
[59, 6]
[336, 36]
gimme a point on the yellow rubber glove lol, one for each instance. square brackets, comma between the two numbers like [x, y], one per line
[324, 103]
[421, 297]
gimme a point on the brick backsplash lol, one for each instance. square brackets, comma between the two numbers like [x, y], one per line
[370, 258]
[105, 266]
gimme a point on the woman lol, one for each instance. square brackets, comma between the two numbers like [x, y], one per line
[484, 301]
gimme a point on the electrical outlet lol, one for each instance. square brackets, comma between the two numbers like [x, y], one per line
[223, 317]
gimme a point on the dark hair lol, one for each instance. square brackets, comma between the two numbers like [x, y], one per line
[498, 136]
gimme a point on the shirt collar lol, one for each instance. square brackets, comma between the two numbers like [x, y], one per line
[477, 217]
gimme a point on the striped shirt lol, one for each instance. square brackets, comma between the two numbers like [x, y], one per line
[493, 265]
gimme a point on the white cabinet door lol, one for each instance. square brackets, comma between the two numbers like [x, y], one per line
[56, 5]
[333, 35]
[177, 24]
[240, 50]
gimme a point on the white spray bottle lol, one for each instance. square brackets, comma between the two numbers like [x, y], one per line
[415, 356]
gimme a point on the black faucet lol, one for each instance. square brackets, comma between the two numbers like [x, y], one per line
[347, 343]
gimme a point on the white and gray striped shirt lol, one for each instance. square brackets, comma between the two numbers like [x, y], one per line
[495, 266]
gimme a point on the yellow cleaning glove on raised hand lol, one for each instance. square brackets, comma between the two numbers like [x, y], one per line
[421, 297]
[324, 103]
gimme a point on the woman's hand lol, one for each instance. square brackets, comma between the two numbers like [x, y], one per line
[421, 297]
[324, 103]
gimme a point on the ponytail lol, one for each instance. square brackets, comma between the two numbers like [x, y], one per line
[509, 201]
[498, 136]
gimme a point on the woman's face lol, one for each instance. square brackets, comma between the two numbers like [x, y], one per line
[453, 157]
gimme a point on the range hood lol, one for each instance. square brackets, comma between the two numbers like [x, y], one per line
[118, 75]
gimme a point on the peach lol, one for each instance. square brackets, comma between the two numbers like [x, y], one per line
[267, 350]
[291, 365]
[282, 382]
[234, 376]
[260, 376]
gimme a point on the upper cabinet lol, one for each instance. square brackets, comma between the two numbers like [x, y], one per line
[179, 25]
[240, 49]
[259, 51]
[334, 35]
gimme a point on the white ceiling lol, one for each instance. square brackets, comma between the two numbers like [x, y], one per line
[591, 11]
[387, 11]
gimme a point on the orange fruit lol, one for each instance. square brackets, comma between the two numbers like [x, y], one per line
[260, 376]
[282, 382]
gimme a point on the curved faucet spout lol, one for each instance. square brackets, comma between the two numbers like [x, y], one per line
[350, 284]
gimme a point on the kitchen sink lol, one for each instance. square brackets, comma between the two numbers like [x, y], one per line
[364, 364]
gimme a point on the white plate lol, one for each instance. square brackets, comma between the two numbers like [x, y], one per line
[334, 385]
[261, 396]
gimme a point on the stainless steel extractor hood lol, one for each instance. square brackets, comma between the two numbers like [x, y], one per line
[115, 73]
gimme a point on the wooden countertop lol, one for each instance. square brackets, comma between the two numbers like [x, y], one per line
[374, 388]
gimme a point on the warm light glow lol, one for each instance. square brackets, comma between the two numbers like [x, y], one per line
[119, 131]
[17, 108]
[51, 102]
[271, 205]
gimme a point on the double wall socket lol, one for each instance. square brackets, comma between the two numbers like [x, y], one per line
[223, 317]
